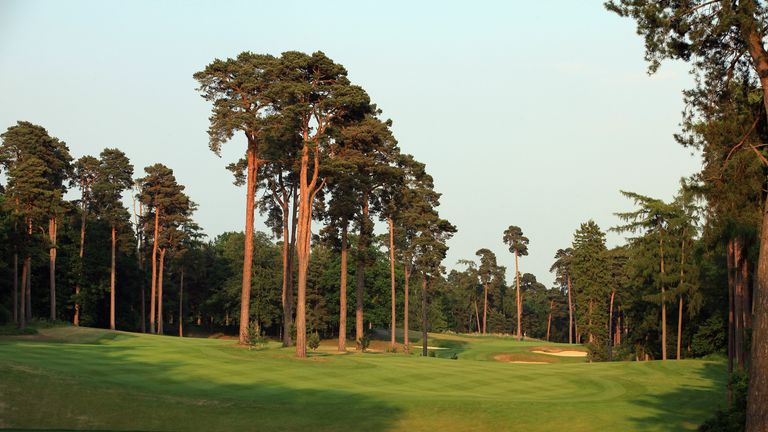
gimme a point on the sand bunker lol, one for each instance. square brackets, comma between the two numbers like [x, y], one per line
[517, 358]
[562, 353]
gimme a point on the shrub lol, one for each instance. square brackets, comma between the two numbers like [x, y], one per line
[734, 417]
[431, 353]
[364, 341]
[454, 356]
[313, 341]
[253, 337]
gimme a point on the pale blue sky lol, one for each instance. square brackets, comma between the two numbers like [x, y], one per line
[526, 113]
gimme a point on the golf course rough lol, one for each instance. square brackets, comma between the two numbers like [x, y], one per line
[78, 378]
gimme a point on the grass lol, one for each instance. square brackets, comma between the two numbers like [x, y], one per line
[67, 378]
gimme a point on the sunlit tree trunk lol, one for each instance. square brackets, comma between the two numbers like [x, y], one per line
[76, 320]
[663, 303]
[362, 250]
[424, 313]
[153, 289]
[477, 317]
[485, 308]
[24, 278]
[393, 324]
[343, 291]
[15, 288]
[407, 277]
[250, 192]
[519, 303]
[112, 284]
[570, 311]
[549, 320]
[52, 265]
[160, 293]
[181, 303]
[610, 324]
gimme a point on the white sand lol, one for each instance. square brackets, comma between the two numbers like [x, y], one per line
[563, 353]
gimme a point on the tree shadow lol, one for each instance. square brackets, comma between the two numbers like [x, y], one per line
[682, 408]
[114, 387]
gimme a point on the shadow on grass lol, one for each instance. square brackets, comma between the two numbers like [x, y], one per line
[686, 407]
[111, 387]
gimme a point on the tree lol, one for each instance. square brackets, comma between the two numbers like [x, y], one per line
[561, 268]
[315, 92]
[486, 272]
[86, 169]
[518, 244]
[167, 208]
[719, 38]
[590, 273]
[113, 176]
[23, 142]
[653, 218]
[240, 92]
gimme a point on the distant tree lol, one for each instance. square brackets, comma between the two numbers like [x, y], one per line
[518, 244]
[486, 271]
[113, 176]
[86, 170]
[590, 273]
[653, 218]
[561, 267]
[240, 92]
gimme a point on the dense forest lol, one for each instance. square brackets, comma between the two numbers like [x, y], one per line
[323, 169]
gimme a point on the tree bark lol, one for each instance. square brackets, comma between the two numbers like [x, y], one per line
[663, 303]
[28, 305]
[731, 327]
[362, 250]
[392, 280]
[112, 284]
[738, 313]
[76, 320]
[570, 311]
[160, 293]
[407, 277]
[679, 326]
[477, 317]
[549, 320]
[24, 278]
[181, 303]
[519, 301]
[16, 288]
[424, 316]
[153, 289]
[485, 308]
[757, 399]
[250, 195]
[610, 325]
[343, 291]
[52, 265]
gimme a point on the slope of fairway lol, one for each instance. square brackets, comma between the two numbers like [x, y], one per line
[68, 378]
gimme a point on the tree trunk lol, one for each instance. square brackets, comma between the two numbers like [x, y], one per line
[663, 303]
[477, 317]
[112, 284]
[250, 193]
[160, 293]
[22, 304]
[153, 289]
[76, 320]
[393, 325]
[519, 301]
[757, 400]
[679, 326]
[407, 277]
[288, 313]
[181, 303]
[485, 308]
[16, 288]
[28, 305]
[549, 320]
[343, 291]
[362, 250]
[424, 316]
[731, 326]
[610, 325]
[570, 311]
[52, 265]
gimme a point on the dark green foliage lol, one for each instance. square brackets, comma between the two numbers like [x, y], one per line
[710, 338]
[731, 419]
[313, 341]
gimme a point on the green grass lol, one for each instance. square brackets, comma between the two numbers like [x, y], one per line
[78, 379]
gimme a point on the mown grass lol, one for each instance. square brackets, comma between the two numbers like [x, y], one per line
[77, 379]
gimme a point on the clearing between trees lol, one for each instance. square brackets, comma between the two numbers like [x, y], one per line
[81, 378]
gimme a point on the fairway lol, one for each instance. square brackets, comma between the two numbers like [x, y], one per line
[80, 379]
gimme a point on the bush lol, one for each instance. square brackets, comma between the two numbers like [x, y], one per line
[710, 338]
[454, 356]
[313, 341]
[431, 353]
[253, 337]
[364, 341]
[597, 352]
[12, 330]
[733, 418]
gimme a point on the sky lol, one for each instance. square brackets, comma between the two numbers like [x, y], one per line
[533, 114]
